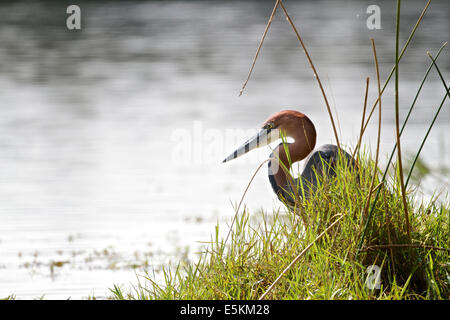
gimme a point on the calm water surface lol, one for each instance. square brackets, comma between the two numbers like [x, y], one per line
[112, 137]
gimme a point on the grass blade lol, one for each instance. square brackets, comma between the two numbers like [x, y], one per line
[447, 94]
[397, 124]
[361, 132]
[369, 196]
[411, 35]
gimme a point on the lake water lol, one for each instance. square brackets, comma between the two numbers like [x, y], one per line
[112, 136]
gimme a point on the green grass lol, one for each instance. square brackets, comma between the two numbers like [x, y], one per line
[262, 245]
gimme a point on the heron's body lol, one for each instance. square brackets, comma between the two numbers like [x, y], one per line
[300, 128]
[321, 162]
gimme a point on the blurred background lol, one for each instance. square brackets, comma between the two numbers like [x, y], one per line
[112, 136]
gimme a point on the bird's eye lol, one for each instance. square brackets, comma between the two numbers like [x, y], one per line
[269, 126]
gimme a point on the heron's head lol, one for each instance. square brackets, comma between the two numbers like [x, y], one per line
[286, 124]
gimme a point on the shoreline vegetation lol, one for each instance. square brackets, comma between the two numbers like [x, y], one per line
[272, 255]
[365, 236]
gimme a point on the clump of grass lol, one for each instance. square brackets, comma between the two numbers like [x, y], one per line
[260, 248]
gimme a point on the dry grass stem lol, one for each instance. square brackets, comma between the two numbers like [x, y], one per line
[299, 256]
[397, 125]
[361, 132]
[371, 189]
[259, 47]
[242, 198]
[316, 75]
[403, 245]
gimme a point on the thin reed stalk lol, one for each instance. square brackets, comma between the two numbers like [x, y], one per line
[397, 125]
[301, 254]
[361, 132]
[375, 168]
[242, 198]
[447, 94]
[404, 245]
[411, 35]
[316, 75]
[259, 47]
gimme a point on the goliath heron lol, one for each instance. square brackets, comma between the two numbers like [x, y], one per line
[295, 125]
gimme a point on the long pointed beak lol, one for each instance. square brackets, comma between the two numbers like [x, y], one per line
[261, 139]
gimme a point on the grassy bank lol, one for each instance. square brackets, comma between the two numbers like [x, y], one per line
[262, 245]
